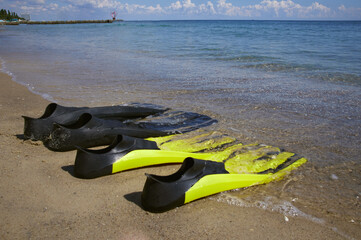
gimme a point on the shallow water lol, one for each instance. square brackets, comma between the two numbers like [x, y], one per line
[294, 85]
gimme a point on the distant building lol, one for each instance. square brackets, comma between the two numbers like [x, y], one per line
[26, 16]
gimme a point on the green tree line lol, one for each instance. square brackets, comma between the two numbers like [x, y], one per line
[7, 15]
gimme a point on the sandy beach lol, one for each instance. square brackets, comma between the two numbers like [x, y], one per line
[41, 199]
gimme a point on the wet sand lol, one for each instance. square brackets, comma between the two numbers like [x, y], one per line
[41, 199]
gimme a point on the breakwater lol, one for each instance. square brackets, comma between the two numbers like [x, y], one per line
[67, 22]
[9, 23]
[59, 22]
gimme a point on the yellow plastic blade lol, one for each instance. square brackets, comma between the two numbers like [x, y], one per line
[216, 183]
[143, 158]
[186, 143]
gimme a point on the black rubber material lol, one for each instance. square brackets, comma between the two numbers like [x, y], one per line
[176, 122]
[97, 163]
[40, 128]
[90, 131]
[162, 193]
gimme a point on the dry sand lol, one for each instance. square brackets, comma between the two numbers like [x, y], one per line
[40, 199]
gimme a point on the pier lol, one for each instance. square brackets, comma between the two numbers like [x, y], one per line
[59, 22]
[67, 22]
[9, 23]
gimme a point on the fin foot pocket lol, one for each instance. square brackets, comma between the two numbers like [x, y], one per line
[96, 163]
[40, 128]
[200, 178]
[162, 193]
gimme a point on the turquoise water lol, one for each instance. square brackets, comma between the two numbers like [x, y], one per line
[291, 84]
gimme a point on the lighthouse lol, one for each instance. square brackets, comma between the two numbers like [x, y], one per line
[114, 15]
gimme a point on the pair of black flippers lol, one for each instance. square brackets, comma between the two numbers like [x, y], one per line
[64, 128]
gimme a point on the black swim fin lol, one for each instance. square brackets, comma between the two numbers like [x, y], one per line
[127, 153]
[162, 193]
[200, 178]
[36, 128]
[40, 128]
[90, 131]
[95, 163]
[175, 122]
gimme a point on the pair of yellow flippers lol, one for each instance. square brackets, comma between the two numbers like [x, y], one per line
[202, 173]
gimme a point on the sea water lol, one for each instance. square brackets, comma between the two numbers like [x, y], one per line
[291, 84]
[204, 56]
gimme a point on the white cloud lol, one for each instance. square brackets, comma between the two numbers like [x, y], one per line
[265, 9]
[96, 3]
[349, 11]
[207, 8]
[188, 4]
[316, 9]
[276, 8]
[132, 8]
[156, 9]
[342, 8]
[286, 6]
[34, 6]
[228, 9]
[38, 1]
[189, 8]
[33, 9]
[53, 6]
[175, 6]
[185, 6]
[141, 9]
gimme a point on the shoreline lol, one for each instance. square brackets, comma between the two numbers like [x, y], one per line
[41, 199]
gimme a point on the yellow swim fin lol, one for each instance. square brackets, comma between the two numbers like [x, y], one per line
[199, 178]
[129, 153]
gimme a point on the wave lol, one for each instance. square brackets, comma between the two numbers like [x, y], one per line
[269, 203]
[280, 67]
[246, 58]
[338, 77]
[218, 55]
[4, 69]
[307, 71]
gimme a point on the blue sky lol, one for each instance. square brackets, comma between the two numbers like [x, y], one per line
[187, 9]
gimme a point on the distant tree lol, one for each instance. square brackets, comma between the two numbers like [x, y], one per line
[7, 15]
